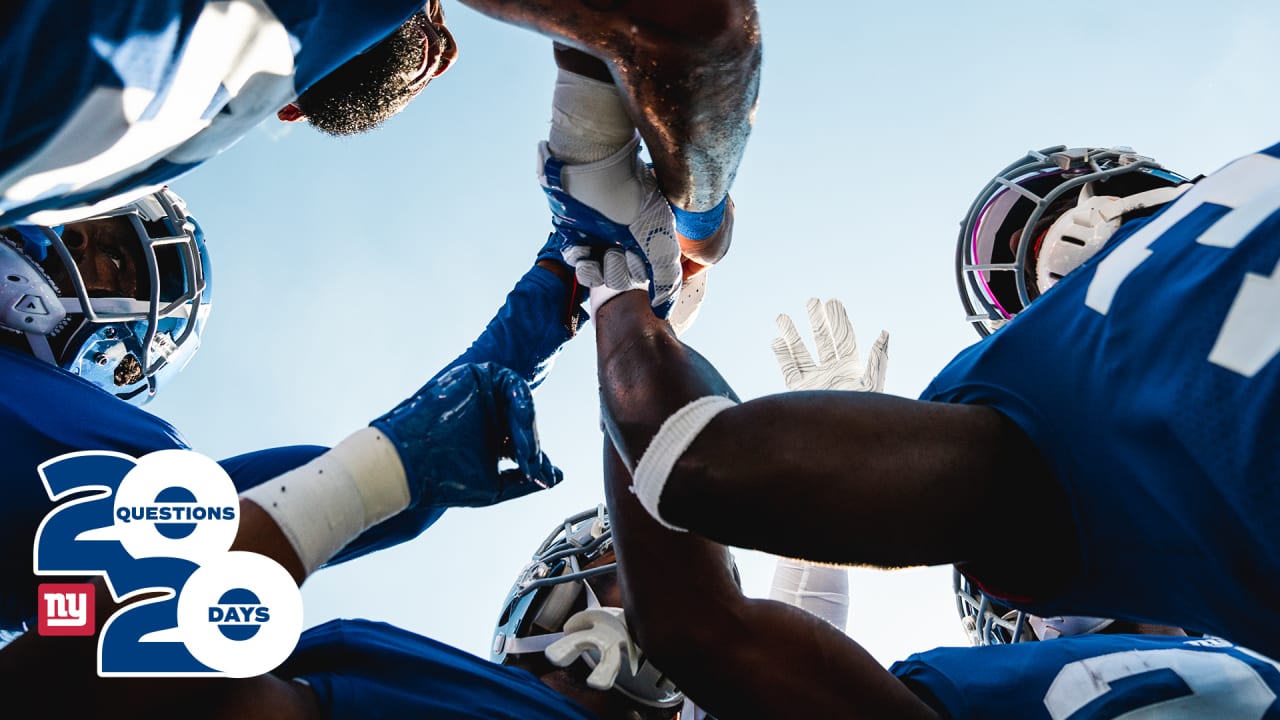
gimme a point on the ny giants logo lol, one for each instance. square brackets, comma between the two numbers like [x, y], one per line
[65, 609]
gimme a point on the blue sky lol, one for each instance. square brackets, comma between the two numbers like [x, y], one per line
[348, 271]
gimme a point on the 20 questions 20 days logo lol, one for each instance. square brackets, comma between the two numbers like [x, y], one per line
[163, 523]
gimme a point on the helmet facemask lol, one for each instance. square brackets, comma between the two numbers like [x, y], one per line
[119, 299]
[989, 622]
[1014, 243]
[553, 588]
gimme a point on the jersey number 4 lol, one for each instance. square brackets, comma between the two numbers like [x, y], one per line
[1250, 337]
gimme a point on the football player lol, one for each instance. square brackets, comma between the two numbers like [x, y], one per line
[100, 314]
[1112, 435]
[106, 102]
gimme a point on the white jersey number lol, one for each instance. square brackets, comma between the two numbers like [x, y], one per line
[1249, 338]
[1220, 686]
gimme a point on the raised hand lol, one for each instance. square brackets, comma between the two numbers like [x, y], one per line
[838, 363]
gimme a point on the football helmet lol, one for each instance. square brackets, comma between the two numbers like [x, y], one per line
[553, 587]
[989, 622]
[1043, 216]
[119, 299]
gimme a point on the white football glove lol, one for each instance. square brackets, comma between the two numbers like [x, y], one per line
[838, 363]
[601, 635]
[616, 228]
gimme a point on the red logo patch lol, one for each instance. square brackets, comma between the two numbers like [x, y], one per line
[65, 609]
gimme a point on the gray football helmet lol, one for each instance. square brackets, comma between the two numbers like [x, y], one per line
[1045, 215]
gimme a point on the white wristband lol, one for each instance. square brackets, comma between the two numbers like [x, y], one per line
[674, 437]
[325, 504]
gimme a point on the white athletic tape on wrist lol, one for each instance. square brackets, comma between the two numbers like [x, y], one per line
[674, 437]
[325, 504]
[588, 119]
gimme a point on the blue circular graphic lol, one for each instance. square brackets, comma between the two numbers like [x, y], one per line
[175, 530]
[236, 614]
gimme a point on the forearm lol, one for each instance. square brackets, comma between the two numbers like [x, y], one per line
[735, 656]
[537, 318]
[645, 373]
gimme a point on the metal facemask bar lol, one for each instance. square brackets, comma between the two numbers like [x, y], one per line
[188, 251]
[1071, 163]
[981, 621]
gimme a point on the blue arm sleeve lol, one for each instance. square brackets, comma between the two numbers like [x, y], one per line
[540, 315]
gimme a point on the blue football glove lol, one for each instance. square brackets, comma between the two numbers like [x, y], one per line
[540, 315]
[614, 225]
[453, 432]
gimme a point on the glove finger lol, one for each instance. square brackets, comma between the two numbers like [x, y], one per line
[821, 332]
[574, 254]
[791, 337]
[513, 396]
[877, 363]
[786, 363]
[616, 274]
[589, 274]
[548, 474]
[636, 268]
[846, 343]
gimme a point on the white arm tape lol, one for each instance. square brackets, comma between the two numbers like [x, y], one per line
[674, 437]
[325, 504]
[821, 589]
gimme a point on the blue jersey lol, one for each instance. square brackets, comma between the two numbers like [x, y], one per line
[46, 412]
[1148, 381]
[102, 100]
[1096, 677]
[355, 666]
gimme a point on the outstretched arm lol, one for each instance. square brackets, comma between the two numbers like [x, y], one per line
[736, 656]
[541, 313]
[689, 72]
[876, 479]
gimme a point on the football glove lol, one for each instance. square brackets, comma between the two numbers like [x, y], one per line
[838, 363]
[615, 227]
[452, 434]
